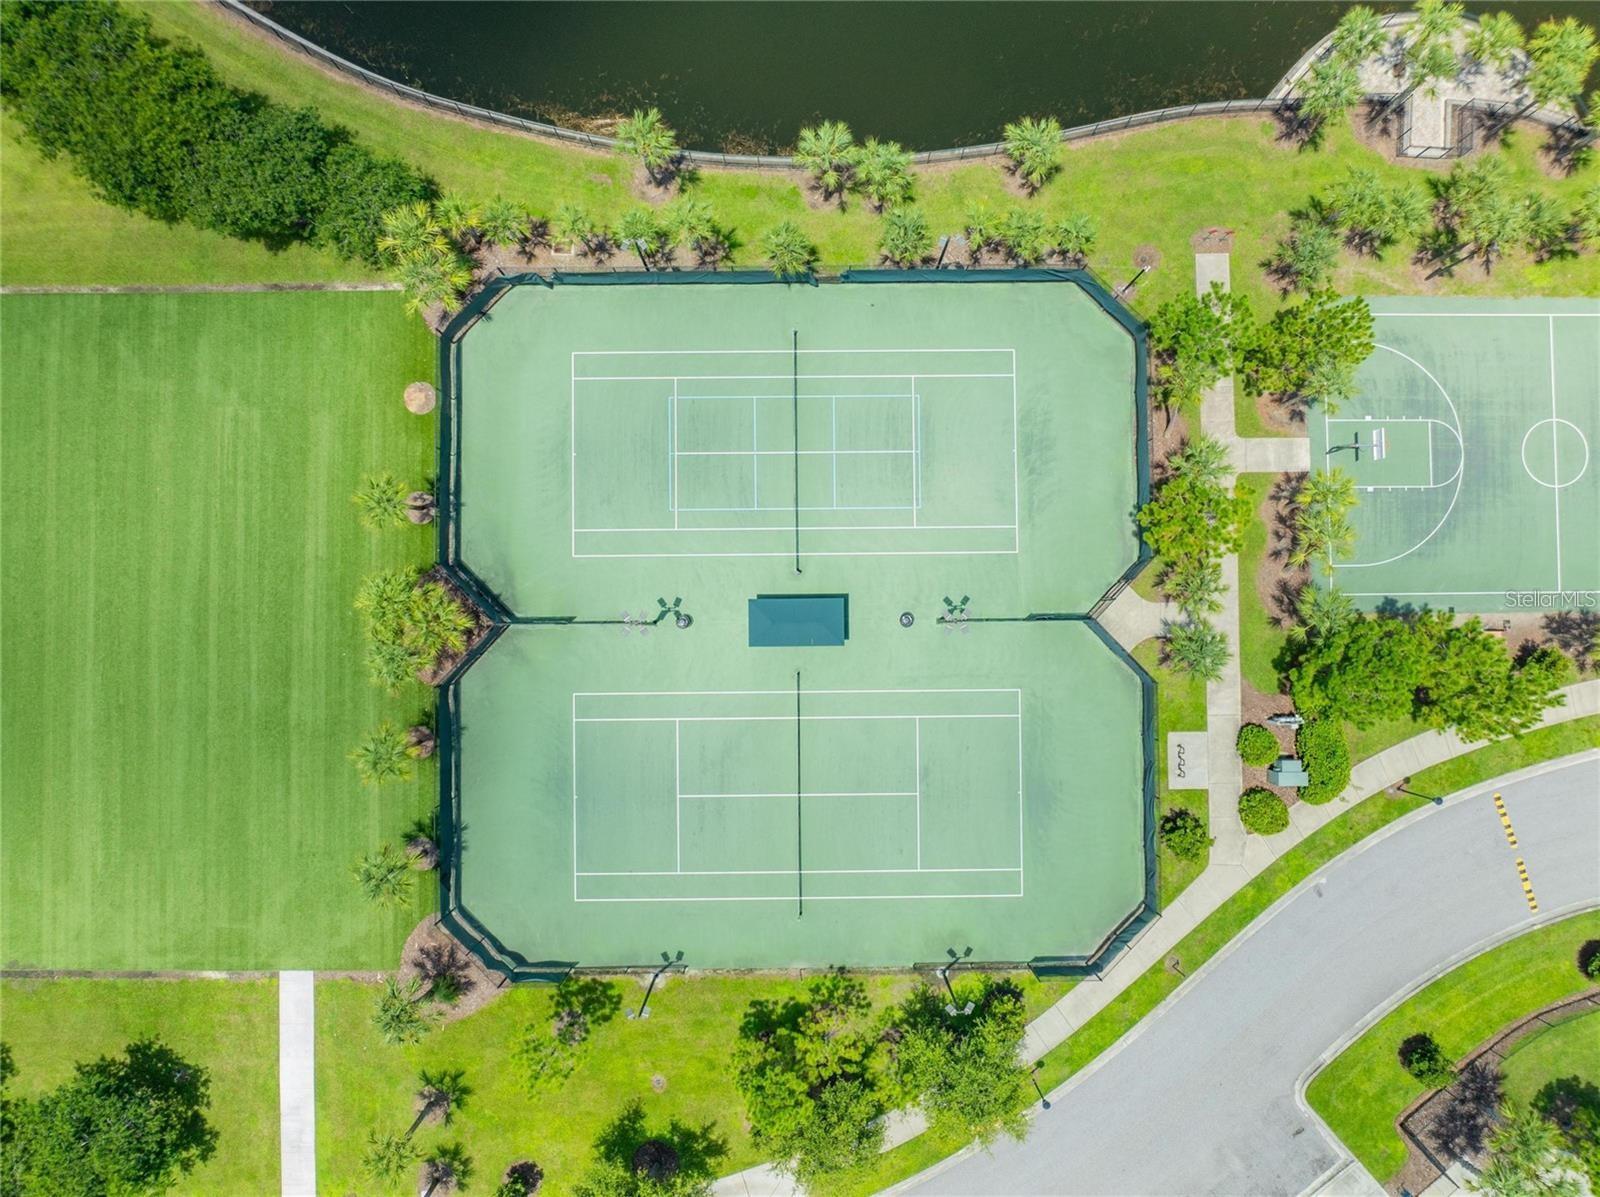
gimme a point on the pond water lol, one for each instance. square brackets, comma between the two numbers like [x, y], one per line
[744, 77]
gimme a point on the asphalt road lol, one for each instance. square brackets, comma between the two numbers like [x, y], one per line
[1202, 1098]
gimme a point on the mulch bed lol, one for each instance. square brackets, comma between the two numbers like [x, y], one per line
[1444, 1125]
[482, 623]
[1278, 584]
[1254, 708]
[427, 947]
[1166, 438]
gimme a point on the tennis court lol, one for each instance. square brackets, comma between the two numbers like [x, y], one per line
[771, 694]
[1470, 440]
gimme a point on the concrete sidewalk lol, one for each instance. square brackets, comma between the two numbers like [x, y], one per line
[297, 1084]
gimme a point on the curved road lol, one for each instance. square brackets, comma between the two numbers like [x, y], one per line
[1203, 1096]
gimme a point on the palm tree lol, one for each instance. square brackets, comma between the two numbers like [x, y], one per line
[1204, 459]
[382, 501]
[383, 756]
[391, 665]
[388, 1156]
[437, 277]
[1358, 35]
[573, 225]
[645, 135]
[1197, 648]
[504, 222]
[1026, 235]
[1323, 610]
[1075, 237]
[641, 229]
[441, 1093]
[460, 218]
[1561, 53]
[1321, 520]
[883, 173]
[1330, 89]
[1195, 586]
[410, 231]
[982, 228]
[1429, 53]
[906, 240]
[828, 152]
[1495, 40]
[384, 876]
[693, 222]
[1485, 211]
[396, 1016]
[436, 624]
[447, 1167]
[1528, 1157]
[1034, 147]
[789, 250]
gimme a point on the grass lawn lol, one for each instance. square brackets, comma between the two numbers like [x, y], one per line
[228, 1027]
[180, 546]
[1261, 639]
[1222, 171]
[1180, 706]
[688, 1039]
[1363, 1090]
[1507, 756]
[1569, 1049]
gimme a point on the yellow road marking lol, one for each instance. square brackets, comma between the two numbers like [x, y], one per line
[1511, 838]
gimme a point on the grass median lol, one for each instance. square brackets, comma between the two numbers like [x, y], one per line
[1361, 1093]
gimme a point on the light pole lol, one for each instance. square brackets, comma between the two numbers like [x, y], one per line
[1033, 1075]
[644, 1007]
[944, 975]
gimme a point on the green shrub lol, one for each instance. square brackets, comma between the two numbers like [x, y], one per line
[1258, 747]
[383, 756]
[1262, 812]
[1183, 834]
[153, 128]
[1322, 749]
[1423, 1058]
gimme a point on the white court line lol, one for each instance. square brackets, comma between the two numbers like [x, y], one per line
[673, 423]
[743, 693]
[916, 455]
[677, 784]
[755, 451]
[1459, 593]
[820, 527]
[1459, 474]
[1022, 858]
[1369, 487]
[788, 453]
[1016, 464]
[815, 794]
[916, 722]
[770, 718]
[821, 898]
[1555, 450]
[785, 352]
[772, 378]
[1489, 315]
[1011, 552]
[574, 797]
[785, 872]
[918, 748]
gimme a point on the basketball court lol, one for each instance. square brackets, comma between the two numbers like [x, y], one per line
[1470, 441]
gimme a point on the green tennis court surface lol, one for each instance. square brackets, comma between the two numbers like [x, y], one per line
[649, 761]
[1470, 440]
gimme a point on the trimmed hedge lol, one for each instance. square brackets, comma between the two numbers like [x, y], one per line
[1262, 812]
[1326, 756]
[155, 129]
[1257, 745]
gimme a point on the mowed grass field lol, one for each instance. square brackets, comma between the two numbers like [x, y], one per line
[183, 670]
[229, 1028]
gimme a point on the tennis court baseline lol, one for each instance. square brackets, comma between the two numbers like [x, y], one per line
[783, 795]
[733, 453]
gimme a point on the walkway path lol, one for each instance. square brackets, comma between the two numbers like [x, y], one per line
[1204, 1096]
[297, 1084]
